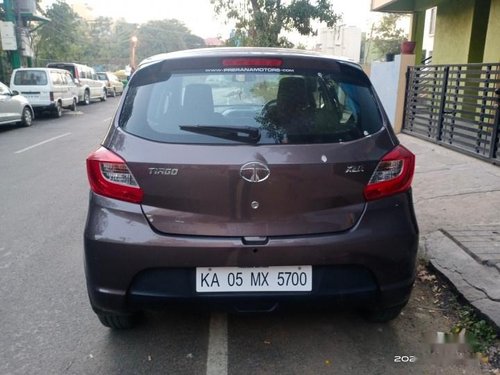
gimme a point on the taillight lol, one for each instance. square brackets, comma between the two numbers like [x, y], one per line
[109, 176]
[393, 174]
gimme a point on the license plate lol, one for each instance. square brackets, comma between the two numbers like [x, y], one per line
[254, 279]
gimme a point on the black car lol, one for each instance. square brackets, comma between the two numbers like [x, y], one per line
[252, 179]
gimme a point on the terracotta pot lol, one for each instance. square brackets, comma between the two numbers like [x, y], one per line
[407, 47]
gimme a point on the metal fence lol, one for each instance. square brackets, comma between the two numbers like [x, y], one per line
[456, 106]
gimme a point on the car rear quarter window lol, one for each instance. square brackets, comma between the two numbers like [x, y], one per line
[262, 106]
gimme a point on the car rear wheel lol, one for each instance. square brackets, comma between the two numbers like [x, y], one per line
[73, 105]
[26, 117]
[86, 97]
[113, 93]
[57, 111]
[104, 95]
[116, 321]
[383, 315]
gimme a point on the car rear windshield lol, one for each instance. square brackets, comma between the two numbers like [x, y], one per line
[69, 67]
[259, 106]
[30, 78]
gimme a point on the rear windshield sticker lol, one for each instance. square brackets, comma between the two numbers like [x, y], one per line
[250, 70]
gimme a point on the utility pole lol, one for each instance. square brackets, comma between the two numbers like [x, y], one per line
[10, 16]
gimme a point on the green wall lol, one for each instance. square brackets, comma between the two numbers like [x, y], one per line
[479, 29]
[467, 31]
[417, 34]
[453, 32]
[492, 45]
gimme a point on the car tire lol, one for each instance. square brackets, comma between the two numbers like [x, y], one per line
[73, 106]
[104, 95]
[383, 315]
[116, 321]
[26, 117]
[57, 111]
[113, 93]
[86, 97]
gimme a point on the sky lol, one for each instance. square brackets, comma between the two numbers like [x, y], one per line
[198, 15]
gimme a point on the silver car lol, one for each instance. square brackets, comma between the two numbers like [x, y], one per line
[114, 86]
[14, 108]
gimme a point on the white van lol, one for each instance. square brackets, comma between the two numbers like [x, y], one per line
[47, 89]
[89, 86]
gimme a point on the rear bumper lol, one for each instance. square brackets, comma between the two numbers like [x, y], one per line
[129, 266]
[332, 286]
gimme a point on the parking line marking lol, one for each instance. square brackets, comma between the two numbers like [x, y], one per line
[217, 345]
[42, 143]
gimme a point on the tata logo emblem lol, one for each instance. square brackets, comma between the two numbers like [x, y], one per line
[254, 172]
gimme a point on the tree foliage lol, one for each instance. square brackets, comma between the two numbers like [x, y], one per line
[165, 36]
[105, 43]
[263, 22]
[387, 35]
[61, 38]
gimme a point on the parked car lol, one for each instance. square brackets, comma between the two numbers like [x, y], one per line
[284, 187]
[14, 108]
[89, 86]
[47, 89]
[112, 84]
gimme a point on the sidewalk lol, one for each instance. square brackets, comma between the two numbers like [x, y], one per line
[457, 201]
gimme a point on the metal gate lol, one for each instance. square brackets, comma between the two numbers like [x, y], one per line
[456, 106]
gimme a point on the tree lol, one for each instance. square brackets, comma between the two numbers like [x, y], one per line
[387, 36]
[104, 43]
[262, 22]
[121, 38]
[63, 37]
[156, 37]
[101, 39]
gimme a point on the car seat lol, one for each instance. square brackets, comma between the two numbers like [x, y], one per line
[198, 106]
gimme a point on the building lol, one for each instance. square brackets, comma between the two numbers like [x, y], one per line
[466, 31]
[454, 100]
[213, 42]
[17, 20]
[429, 32]
[342, 41]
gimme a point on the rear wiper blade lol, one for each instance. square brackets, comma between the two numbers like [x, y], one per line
[234, 133]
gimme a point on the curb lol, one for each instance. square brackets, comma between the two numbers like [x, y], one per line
[479, 284]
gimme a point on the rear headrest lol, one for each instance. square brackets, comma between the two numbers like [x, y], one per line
[292, 94]
[198, 97]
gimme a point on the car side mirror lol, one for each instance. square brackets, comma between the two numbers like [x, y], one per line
[15, 92]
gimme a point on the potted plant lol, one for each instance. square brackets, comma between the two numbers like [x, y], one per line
[407, 47]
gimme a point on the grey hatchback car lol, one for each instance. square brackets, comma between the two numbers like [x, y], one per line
[249, 179]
